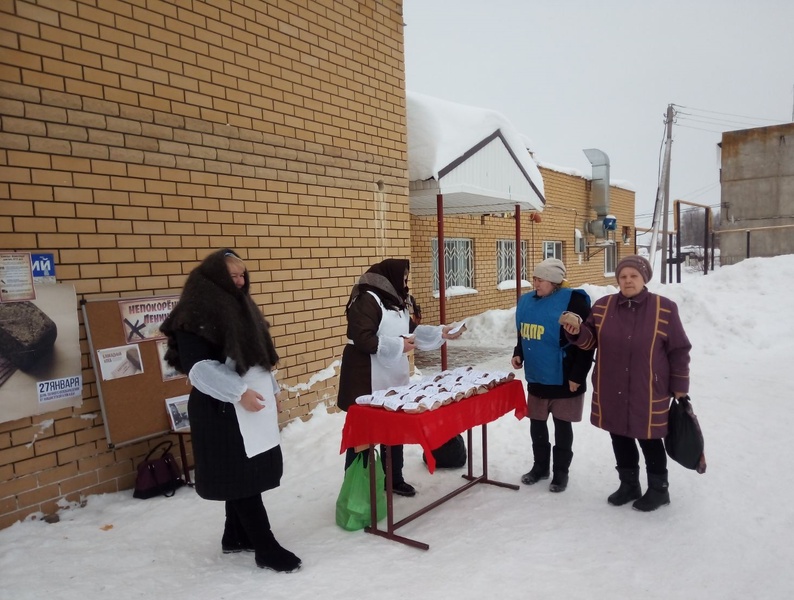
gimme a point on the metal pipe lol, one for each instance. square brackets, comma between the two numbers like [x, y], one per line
[442, 276]
[518, 253]
[677, 206]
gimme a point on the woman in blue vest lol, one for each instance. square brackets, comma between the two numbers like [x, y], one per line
[555, 370]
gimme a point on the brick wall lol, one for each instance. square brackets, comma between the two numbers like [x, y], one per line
[136, 136]
[567, 208]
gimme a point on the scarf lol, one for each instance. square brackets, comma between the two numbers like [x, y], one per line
[213, 308]
[384, 279]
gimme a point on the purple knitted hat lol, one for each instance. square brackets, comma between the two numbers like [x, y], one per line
[636, 262]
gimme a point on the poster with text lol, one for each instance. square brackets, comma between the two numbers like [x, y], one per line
[16, 277]
[40, 366]
[119, 362]
[141, 318]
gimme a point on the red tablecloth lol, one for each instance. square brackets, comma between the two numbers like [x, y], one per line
[432, 428]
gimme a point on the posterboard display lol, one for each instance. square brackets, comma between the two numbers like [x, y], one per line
[132, 380]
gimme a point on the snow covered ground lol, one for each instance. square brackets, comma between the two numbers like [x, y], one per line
[727, 534]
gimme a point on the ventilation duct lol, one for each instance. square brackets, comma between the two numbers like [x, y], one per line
[599, 194]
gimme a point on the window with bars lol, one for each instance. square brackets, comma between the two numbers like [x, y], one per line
[610, 259]
[458, 263]
[552, 250]
[506, 260]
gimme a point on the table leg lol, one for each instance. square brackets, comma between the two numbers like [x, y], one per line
[373, 492]
[484, 477]
[469, 453]
[183, 456]
[388, 533]
[391, 526]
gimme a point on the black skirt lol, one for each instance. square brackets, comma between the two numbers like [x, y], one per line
[223, 471]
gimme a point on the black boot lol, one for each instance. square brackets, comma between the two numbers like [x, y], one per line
[268, 552]
[234, 539]
[657, 494]
[398, 484]
[273, 556]
[629, 487]
[540, 469]
[562, 461]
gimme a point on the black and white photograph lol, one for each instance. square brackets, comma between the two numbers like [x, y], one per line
[177, 412]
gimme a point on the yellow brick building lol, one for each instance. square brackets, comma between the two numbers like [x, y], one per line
[138, 135]
[568, 207]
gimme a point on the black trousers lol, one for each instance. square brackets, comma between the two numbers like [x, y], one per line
[628, 457]
[247, 523]
[563, 433]
[396, 461]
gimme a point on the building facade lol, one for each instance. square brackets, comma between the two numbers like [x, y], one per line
[480, 241]
[139, 136]
[757, 194]
[136, 137]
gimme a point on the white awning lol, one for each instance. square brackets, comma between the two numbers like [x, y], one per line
[472, 156]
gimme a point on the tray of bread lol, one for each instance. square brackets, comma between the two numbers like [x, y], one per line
[433, 392]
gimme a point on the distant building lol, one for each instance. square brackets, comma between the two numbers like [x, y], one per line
[757, 202]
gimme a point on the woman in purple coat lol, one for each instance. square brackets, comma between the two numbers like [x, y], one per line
[642, 360]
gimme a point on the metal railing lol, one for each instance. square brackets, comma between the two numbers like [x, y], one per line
[749, 230]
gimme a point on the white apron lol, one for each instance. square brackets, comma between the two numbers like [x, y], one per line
[390, 372]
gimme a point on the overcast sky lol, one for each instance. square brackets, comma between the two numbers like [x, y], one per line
[575, 74]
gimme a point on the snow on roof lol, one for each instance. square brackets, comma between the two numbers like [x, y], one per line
[621, 183]
[441, 133]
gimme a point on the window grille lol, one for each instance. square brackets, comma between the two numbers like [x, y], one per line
[458, 263]
[506, 260]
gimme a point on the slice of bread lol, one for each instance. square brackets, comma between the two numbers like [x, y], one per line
[26, 333]
[569, 318]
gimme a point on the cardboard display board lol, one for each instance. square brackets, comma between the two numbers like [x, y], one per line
[132, 382]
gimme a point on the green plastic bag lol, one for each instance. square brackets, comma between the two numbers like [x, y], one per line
[353, 505]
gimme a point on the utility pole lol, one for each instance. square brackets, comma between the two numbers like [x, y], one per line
[665, 214]
[661, 205]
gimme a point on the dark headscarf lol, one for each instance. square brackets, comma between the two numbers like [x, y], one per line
[212, 307]
[387, 280]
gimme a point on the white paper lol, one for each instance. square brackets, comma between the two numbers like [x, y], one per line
[259, 429]
[455, 330]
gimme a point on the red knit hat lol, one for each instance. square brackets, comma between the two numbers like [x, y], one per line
[636, 262]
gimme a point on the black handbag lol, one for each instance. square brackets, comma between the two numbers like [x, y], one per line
[450, 455]
[684, 439]
[158, 476]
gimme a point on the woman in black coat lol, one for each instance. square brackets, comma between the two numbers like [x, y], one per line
[219, 338]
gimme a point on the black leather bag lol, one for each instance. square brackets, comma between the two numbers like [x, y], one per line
[158, 476]
[684, 440]
[451, 455]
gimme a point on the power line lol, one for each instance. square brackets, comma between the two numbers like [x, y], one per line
[710, 121]
[701, 190]
[659, 168]
[729, 114]
[714, 120]
[702, 129]
[719, 122]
